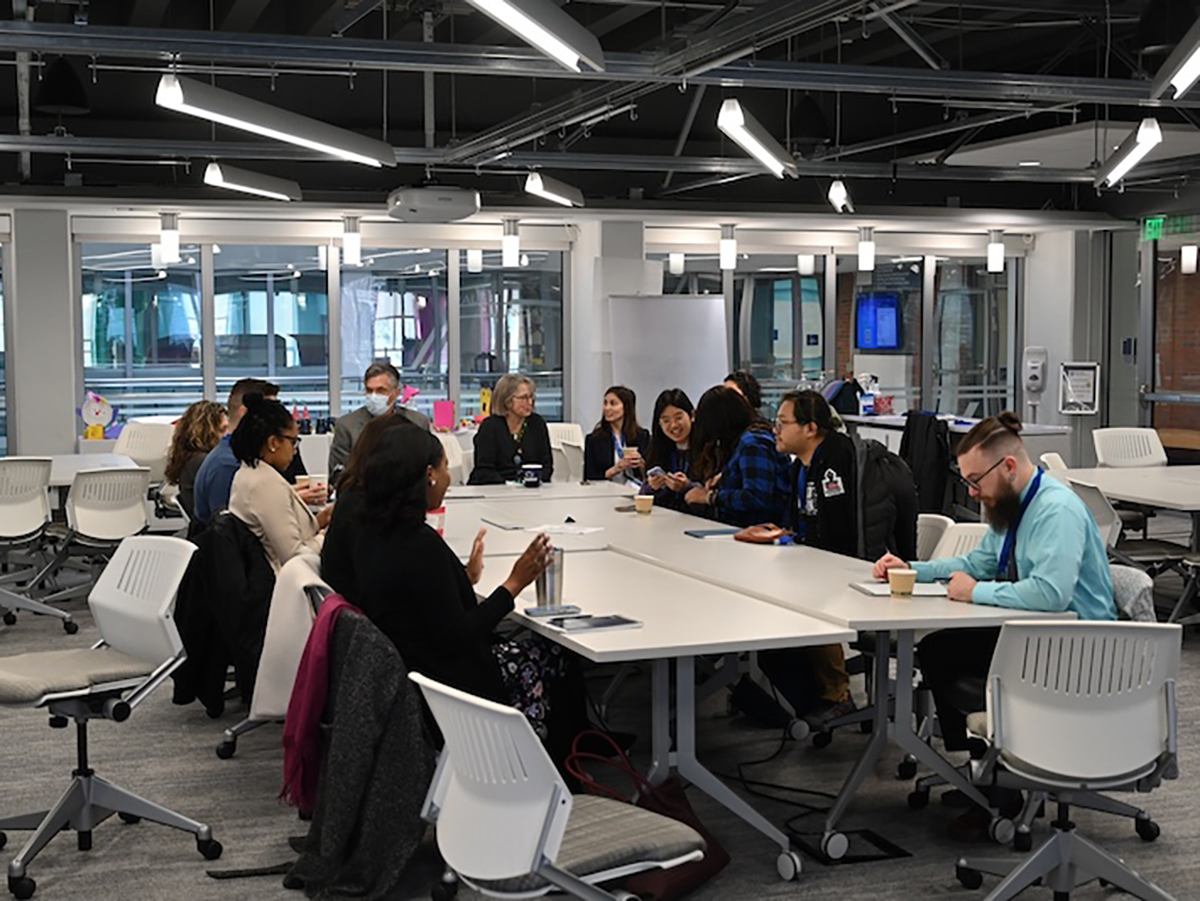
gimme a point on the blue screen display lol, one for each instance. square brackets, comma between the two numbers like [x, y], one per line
[878, 317]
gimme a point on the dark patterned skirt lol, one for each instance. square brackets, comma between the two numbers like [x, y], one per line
[530, 668]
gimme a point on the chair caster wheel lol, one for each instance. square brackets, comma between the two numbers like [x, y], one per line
[967, 877]
[444, 891]
[798, 730]
[917, 800]
[1002, 830]
[70, 626]
[211, 849]
[834, 845]
[129, 818]
[1023, 841]
[906, 769]
[1147, 829]
[822, 740]
[10, 619]
[22, 887]
[789, 866]
[83, 840]
[1104, 883]
[225, 749]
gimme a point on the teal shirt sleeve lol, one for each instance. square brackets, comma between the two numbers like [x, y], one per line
[980, 564]
[1054, 551]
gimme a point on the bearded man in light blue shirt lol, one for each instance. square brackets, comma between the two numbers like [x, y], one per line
[1042, 552]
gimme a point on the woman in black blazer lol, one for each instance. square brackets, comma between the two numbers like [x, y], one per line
[413, 587]
[616, 447]
[512, 436]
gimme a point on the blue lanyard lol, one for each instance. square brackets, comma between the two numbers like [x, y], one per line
[1010, 538]
[619, 443]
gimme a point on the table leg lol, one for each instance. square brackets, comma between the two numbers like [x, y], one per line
[690, 767]
[660, 721]
[1196, 531]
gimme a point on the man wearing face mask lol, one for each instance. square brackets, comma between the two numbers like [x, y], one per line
[1042, 552]
[381, 384]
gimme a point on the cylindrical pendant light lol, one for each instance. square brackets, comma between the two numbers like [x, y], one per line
[510, 244]
[728, 248]
[351, 241]
[866, 249]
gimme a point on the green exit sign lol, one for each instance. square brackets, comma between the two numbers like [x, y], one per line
[1152, 229]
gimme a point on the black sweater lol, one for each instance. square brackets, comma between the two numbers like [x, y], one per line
[599, 453]
[496, 452]
[829, 507]
[413, 587]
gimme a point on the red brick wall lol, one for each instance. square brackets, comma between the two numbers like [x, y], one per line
[1177, 344]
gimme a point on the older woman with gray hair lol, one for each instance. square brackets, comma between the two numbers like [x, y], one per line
[513, 436]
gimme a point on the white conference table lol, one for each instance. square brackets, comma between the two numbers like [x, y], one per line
[682, 618]
[804, 580]
[1161, 487]
[546, 491]
[64, 466]
[464, 519]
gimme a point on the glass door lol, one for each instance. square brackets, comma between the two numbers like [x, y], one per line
[973, 354]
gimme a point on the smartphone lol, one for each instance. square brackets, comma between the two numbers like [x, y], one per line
[553, 610]
[656, 471]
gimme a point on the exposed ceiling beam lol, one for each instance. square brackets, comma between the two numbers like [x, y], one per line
[909, 35]
[243, 15]
[165, 46]
[347, 18]
[138, 148]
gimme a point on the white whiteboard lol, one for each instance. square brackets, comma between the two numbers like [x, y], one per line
[668, 341]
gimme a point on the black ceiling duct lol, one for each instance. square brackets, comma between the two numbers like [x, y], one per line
[61, 92]
[1162, 24]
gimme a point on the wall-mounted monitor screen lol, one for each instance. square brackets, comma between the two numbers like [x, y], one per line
[878, 321]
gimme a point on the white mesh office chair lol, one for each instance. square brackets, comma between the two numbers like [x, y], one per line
[1053, 462]
[1125, 447]
[298, 594]
[959, 538]
[104, 507]
[930, 529]
[138, 651]
[454, 457]
[570, 432]
[1054, 691]
[508, 826]
[1151, 555]
[24, 516]
[147, 444]
[574, 455]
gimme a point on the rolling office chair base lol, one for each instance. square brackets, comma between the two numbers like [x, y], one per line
[228, 746]
[1066, 861]
[88, 801]
[10, 602]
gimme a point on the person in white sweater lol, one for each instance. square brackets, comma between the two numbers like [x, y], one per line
[264, 442]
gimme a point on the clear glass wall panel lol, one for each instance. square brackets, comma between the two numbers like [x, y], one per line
[512, 321]
[971, 369]
[879, 325]
[141, 328]
[394, 308]
[271, 308]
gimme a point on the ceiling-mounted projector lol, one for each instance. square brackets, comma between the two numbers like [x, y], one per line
[432, 203]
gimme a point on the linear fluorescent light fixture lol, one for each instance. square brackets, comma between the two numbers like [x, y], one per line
[1132, 150]
[995, 250]
[221, 175]
[1181, 69]
[728, 247]
[749, 134]
[510, 244]
[168, 237]
[196, 98]
[543, 25]
[839, 198]
[866, 249]
[1187, 258]
[553, 190]
[806, 264]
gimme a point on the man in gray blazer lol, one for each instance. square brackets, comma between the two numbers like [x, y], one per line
[381, 382]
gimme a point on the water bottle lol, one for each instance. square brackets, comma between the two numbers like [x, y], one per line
[550, 582]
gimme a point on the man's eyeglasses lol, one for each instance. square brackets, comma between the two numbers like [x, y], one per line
[781, 424]
[974, 482]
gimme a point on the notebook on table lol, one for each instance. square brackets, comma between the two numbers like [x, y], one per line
[883, 590]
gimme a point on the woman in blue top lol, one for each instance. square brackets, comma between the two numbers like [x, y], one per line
[671, 431]
[742, 477]
[614, 450]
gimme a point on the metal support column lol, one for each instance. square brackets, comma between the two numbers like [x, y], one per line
[927, 395]
[333, 310]
[208, 322]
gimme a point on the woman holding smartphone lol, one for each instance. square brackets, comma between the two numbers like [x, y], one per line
[668, 456]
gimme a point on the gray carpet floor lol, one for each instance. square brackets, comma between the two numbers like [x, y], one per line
[166, 753]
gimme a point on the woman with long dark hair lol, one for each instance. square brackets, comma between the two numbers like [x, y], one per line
[616, 447]
[264, 443]
[670, 436]
[415, 589]
[743, 479]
